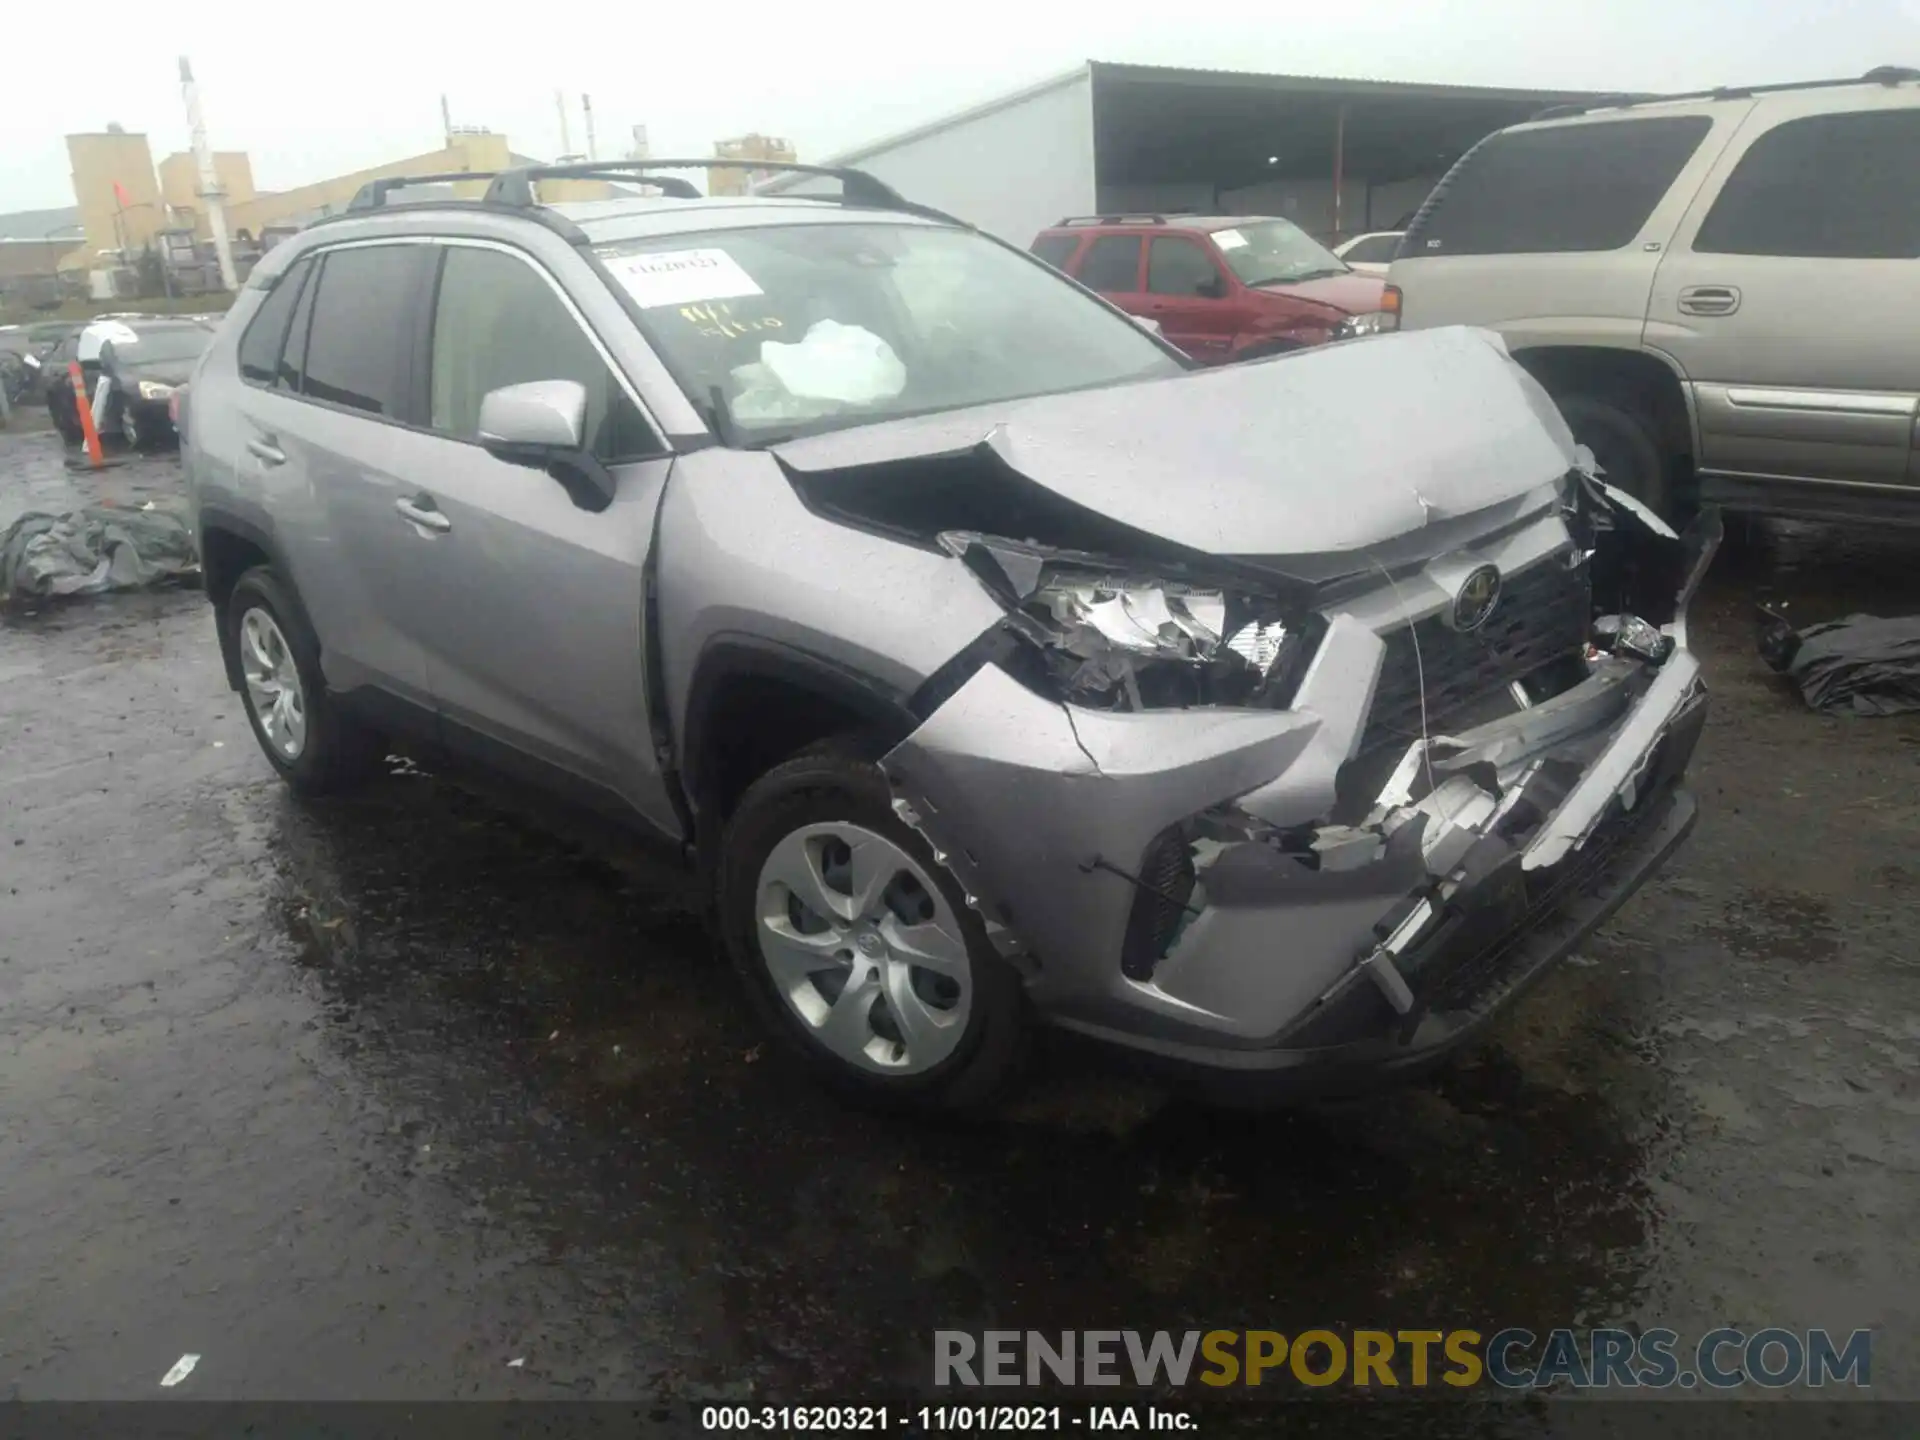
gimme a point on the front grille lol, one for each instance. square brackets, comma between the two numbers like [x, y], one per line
[1543, 614]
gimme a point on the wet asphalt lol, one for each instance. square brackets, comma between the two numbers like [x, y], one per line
[409, 1096]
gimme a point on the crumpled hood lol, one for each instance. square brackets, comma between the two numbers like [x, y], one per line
[1354, 294]
[1330, 449]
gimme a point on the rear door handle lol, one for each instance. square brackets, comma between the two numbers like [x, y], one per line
[423, 512]
[1709, 300]
[265, 449]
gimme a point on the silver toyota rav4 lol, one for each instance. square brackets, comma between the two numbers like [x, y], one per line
[1274, 723]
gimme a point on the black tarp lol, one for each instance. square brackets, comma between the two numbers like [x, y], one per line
[1862, 665]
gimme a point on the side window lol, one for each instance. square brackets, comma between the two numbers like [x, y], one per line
[357, 353]
[1833, 186]
[293, 355]
[498, 322]
[1112, 264]
[1374, 250]
[1177, 266]
[260, 345]
[1588, 186]
[1054, 249]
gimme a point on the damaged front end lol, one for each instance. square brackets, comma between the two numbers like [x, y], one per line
[1313, 835]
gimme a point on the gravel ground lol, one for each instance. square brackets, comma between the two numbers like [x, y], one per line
[375, 1097]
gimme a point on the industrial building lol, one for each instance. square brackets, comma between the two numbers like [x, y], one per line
[747, 147]
[1337, 157]
[126, 204]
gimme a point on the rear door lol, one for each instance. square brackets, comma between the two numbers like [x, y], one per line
[322, 445]
[1189, 296]
[1551, 233]
[529, 603]
[1112, 264]
[1790, 297]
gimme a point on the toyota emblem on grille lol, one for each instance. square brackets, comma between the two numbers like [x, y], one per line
[1473, 603]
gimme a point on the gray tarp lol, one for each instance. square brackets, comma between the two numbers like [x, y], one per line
[99, 548]
[1862, 665]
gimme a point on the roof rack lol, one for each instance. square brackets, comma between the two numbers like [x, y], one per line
[373, 194]
[857, 187]
[1879, 75]
[1124, 217]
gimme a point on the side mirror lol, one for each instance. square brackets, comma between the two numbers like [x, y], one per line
[542, 424]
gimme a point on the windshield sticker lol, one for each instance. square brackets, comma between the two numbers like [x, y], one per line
[717, 321]
[681, 277]
[1229, 239]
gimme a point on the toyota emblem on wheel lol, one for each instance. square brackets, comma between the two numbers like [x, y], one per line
[1474, 601]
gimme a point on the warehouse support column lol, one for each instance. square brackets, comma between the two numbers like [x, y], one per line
[1339, 165]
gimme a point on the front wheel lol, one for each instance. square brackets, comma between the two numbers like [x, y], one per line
[857, 946]
[1625, 445]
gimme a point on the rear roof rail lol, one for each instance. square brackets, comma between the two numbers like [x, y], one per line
[373, 194]
[1879, 75]
[1124, 217]
[857, 187]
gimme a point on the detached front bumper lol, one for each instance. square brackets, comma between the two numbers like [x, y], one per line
[1301, 956]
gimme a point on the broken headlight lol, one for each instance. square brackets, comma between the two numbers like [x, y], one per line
[1110, 637]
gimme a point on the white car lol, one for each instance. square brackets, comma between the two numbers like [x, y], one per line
[1371, 253]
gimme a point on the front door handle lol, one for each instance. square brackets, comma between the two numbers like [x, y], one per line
[422, 512]
[263, 449]
[1709, 300]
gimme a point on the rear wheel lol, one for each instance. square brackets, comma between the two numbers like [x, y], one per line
[857, 947]
[1625, 442]
[300, 727]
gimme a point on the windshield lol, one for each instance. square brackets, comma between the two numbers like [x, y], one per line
[1276, 252]
[803, 328]
[152, 347]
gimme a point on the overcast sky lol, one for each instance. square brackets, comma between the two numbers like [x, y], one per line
[360, 82]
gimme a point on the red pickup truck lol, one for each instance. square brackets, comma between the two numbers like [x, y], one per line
[1221, 287]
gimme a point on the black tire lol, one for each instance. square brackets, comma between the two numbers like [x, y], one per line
[66, 419]
[839, 782]
[338, 751]
[1625, 442]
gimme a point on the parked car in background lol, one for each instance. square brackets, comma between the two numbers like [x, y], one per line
[140, 360]
[1722, 291]
[1370, 254]
[1222, 287]
[990, 662]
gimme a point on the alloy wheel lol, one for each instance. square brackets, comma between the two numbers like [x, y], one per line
[863, 948]
[274, 693]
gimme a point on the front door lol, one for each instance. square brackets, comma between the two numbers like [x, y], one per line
[1791, 295]
[531, 605]
[1189, 296]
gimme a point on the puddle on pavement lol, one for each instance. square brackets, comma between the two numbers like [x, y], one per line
[1761, 923]
[562, 1029]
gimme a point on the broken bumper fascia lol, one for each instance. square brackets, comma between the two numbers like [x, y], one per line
[1490, 853]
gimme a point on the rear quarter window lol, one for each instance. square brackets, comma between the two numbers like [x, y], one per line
[1570, 187]
[1054, 249]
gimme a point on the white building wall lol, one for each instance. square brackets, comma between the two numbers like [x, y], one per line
[1013, 167]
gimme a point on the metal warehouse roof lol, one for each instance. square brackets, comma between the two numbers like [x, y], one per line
[1109, 74]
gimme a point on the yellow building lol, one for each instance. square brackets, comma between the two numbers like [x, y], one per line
[180, 183]
[746, 147]
[115, 188]
[149, 200]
